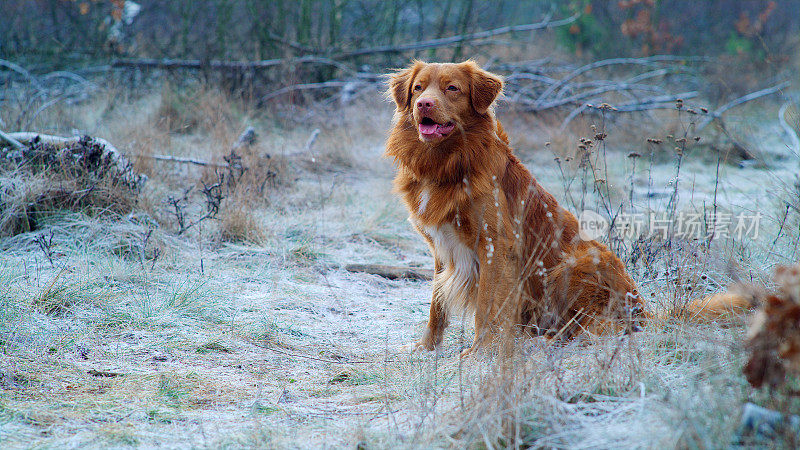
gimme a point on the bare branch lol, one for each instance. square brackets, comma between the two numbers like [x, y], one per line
[20, 70]
[10, 140]
[72, 76]
[659, 102]
[745, 98]
[453, 40]
[648, 61]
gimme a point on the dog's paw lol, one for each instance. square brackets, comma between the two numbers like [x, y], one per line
[467, 352]
[414, 347]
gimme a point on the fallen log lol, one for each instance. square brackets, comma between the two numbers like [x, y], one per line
[392, 272]
[26, 137]
[165, 63]
[178, 159]
[5, 137]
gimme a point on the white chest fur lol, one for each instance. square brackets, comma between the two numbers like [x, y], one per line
[424, 198]
[460, 264]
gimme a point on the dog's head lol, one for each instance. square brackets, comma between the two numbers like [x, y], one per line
[439, 98]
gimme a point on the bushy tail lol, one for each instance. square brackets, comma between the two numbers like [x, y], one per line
[719, 306]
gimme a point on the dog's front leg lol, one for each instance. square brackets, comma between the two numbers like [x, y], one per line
[437, 317]
[493, 296]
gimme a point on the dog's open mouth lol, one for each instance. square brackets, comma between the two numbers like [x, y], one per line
[428, 128]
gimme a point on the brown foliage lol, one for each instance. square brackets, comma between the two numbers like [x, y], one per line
[774, 336]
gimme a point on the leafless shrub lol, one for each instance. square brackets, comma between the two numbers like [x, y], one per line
[213, 194]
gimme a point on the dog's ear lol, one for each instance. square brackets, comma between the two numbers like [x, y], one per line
[485, 88]
[400, 84]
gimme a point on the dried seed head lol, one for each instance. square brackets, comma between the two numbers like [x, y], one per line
[634, 155]
[654, 140]
[697, 138]
[691, 111]
[680, 141]
[547, 144]
[679, 103]
[600, 136]
[705, 110]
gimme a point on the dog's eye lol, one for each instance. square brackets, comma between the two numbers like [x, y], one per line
[452, 88]
[418, 87]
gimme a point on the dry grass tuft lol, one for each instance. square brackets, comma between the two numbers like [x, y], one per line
[238, 224]
[185, 109]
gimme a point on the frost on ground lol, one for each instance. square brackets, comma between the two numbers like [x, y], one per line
[114, 336]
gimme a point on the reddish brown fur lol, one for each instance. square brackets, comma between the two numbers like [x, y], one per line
[502, 245]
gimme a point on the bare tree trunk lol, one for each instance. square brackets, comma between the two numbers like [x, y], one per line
[304, 22]
[442, 27]
[466, 16]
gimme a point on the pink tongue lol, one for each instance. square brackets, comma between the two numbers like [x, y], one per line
[428, 129]
[435, 129]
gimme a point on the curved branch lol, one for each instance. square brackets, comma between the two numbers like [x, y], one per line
[745, 98]
[650, 60]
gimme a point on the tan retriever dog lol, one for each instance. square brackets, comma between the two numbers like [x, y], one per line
[502, 245]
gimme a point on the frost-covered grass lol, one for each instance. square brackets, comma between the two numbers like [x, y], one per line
[197, 341]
